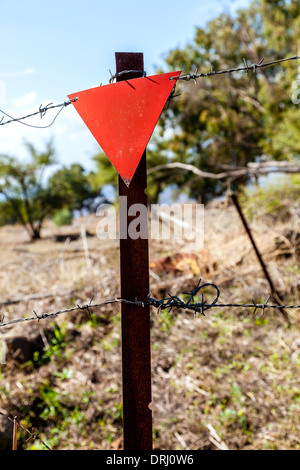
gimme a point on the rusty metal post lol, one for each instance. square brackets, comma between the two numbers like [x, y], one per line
[134, 270]
[259, 257]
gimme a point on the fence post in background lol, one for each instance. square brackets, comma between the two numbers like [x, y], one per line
[259, 257]
[135, 323]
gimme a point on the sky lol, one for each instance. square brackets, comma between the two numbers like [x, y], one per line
[51, 49]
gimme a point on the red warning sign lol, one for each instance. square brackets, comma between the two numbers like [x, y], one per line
[122, 116]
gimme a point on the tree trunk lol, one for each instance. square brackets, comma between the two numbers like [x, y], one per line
[35, 233]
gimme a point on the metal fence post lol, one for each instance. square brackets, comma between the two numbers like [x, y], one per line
[134, 269]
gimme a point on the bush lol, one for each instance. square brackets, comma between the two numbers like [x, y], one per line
[63, 217]
[271, 202]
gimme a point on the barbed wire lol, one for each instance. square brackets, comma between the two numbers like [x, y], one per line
[125, 72]
[247, 68]
[32, 435]
[169, 303]
[42, 111]
[186, 77]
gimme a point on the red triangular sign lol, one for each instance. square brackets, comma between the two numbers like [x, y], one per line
[122, 117]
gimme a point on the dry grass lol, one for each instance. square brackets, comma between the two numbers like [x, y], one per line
[227, 380]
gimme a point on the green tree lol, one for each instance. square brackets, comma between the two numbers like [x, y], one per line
[105, 172]
[280, 28]
[229, 120]
[22, 189]
[28, 198]
[68, 187]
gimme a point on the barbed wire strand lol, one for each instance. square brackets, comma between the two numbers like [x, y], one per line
[247, 68]
[186, 77]
[169, 303]
[32, 435]
[42, 111]
[125, 72]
